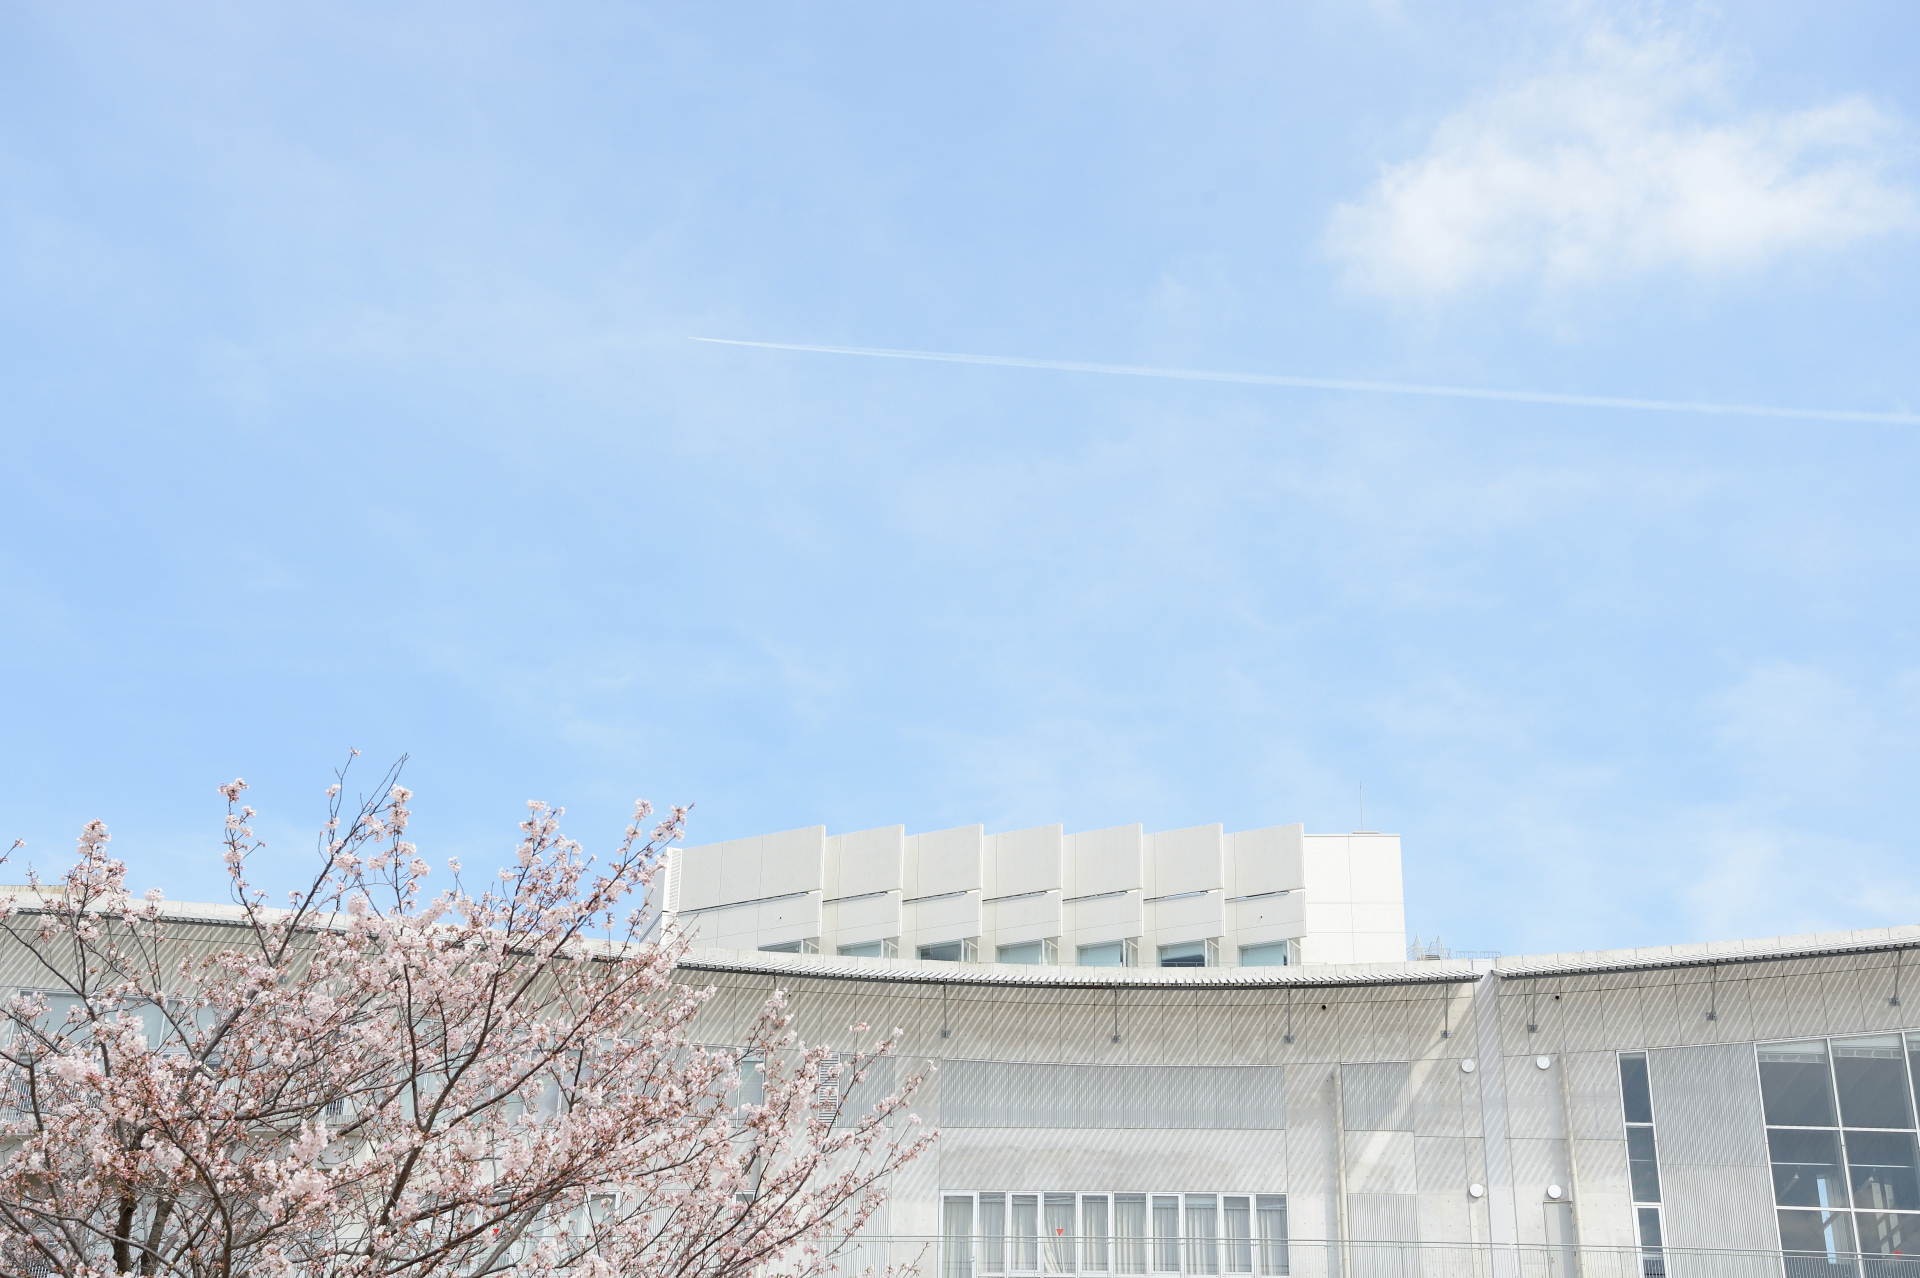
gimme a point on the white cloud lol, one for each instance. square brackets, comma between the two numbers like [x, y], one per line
[1625, 159]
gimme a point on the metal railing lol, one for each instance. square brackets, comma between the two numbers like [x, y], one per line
[975, 1257]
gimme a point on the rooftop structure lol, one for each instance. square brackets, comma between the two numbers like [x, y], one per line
[1119, 897]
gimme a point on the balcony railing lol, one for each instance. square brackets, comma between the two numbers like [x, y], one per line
[975, 1257]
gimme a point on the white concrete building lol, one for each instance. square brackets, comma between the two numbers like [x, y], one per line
[1120, 897]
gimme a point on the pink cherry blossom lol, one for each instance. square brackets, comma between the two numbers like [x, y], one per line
[377, 1081]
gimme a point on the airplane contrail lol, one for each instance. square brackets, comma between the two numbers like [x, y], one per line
[1342, 384]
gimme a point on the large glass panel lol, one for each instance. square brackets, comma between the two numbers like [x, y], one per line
[870, 949]
[1884, 1169]
[1272, 1210]
[1885, 1233]
[946, 952]
[956, 1223]
[1274, 955]
[1026, 1233]
[1060, 1239]
[1130, 1233]
[1112, 954]
[1643, 1165]
[1913, 1065]
[1872, 1078]
[1653, 1262]
[1794, 1084]
[1816, 1235]
[1186, 954]
[1203, 1234]
[1806, 1168]
[1166, 1234]
[1237, 1215]
[993, 1233]
[1030, 954]
[1094, 1232]
[1634, 1092]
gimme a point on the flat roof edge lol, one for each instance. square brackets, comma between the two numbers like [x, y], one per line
[917, 972]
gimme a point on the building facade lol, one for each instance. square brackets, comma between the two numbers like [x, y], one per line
[1120, 897]
[1748, 1104]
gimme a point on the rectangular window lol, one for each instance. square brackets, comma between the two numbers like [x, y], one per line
[1031, 954]
[1060, 1244]
[945, 952]
[1272, 1221]
[1237, 1215]
[1643, 1164]
[1166, 1234]
[1094, 1232]
[993, 1233]
[956, 1226]
[1203, 1234]
[1112, 954]
[1188, 954]
[1635, 1095]
[1130, 1233]
[1871, 1075]
[1806, 1168]
[1821, 1235]
[1026, 1233]
[1795, 1088]
[1885, 1233]
[1653, 1259]
[1885, 1174]
[1274, 955]
[871, 949]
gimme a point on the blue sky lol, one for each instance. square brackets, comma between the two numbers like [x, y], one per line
[350, 402]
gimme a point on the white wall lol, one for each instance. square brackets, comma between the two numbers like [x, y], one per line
[1337, 895]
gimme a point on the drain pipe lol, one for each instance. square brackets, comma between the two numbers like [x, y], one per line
[1340, 1162]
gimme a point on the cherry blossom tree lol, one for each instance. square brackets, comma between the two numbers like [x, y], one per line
[381, 1080]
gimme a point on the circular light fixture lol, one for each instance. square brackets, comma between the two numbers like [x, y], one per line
[1466, 1066]
[1477, 1190]
[1543, 1062]
[1554, 1191]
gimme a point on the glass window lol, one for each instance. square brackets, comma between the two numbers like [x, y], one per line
[1806, 1168]
[1634, 1093]
[784, 947]
[1884, 1170]
[1653, 1262]
[1060, 1236]
[1272, 1209]
[1203, 1234]
[1188, 954]
[1795, 1088]
[1130, 1233]
[1643, 1165]
[1816, 1233]
[1237, 1214]
[956, 1223]
[1872, 1079]
[947, 952]
[1885, 1233]
[1093, 1233]
[1026, 1233]
[1274, 955]
[1029, 954]
[993, 1233]
[1112, 954]
[753, 1084]
[872, 949]
[1166, 1234]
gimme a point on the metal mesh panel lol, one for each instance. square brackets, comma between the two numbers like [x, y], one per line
[1377, 1097]
[1013, 1094]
